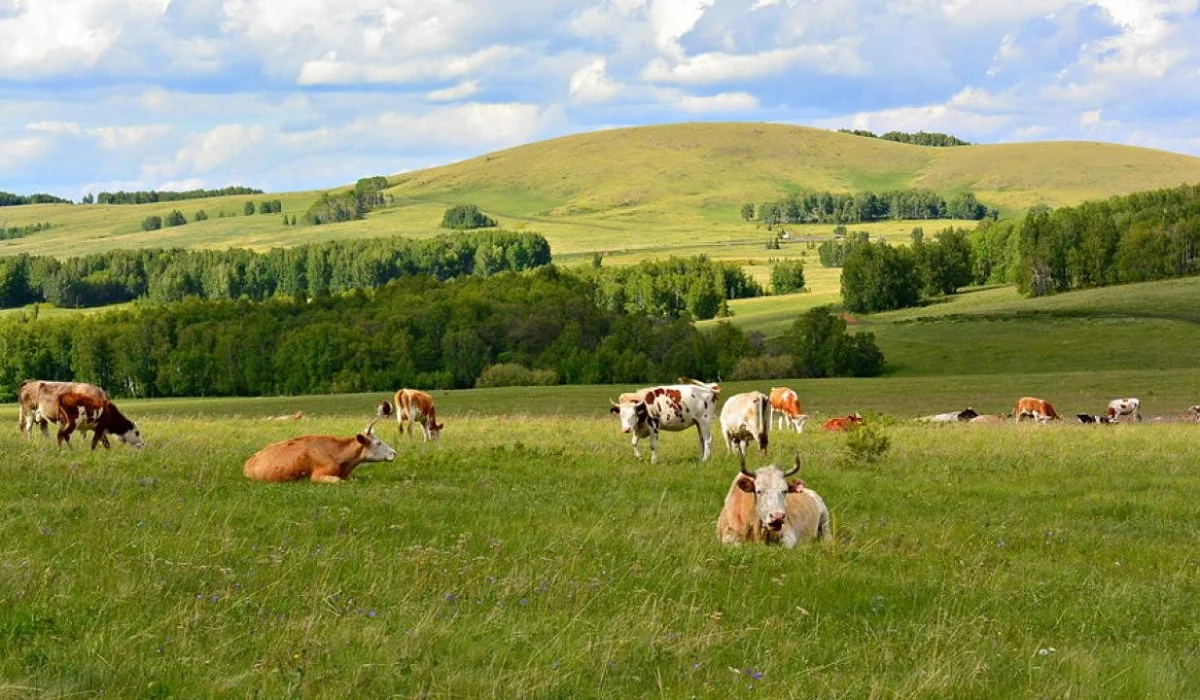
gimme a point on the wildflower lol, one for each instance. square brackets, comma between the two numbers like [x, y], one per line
[524, 602]
[371, 613]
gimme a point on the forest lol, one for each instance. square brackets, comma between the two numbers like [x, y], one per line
[8, 199]
[693, 288]
[311, 270]
[152, 196]
[920, 138]
[859, 207]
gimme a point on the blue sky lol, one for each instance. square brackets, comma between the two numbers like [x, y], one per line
[305, 94]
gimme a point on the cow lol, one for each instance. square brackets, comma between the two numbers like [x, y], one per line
[384, 409]
[837, 425]
[1088, 418]
[298, 415]
[324, 459]
[785, 408]
[1039, 410]
[673, 407]
[988, 418]
[745, 418]
[964, 415]
[416, 406]
[84, 412]
[1124, 407]
[763, 506]
[1194, 411]
[37, 402]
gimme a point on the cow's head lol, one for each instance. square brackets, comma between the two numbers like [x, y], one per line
[132, 437]
[384, 409]
[632, 414]
[968, 414]
[374, 449]
[855, 419]
[1195, 411]
[435, 429]
[770, 487]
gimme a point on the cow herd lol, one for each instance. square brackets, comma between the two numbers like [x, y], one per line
[765, 505]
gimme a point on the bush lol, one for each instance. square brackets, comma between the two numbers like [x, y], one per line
[865, 443]
[765, 367]
[248, 208]
[512, 374]
[821, 347]
[878, 277]
[152, 223]
[175, 218]
[787, 276]
[200, 216]
[466, 216]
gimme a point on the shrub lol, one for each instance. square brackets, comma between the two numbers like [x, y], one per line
[787, 276]
[865, 443]
[765, 367]
[175, 218]
[822, 348]
[466, 216]
[878, 277]
[152, 223]
[513, 374]
[200, 216]
[248, 209]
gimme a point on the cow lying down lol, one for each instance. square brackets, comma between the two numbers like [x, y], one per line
[1088, 418]
[321, 458]
[763, 506]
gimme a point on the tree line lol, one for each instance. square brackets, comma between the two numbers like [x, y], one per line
[1133, 238]
[11, 232]
[366, 195]
[152, 196]
[859, 207]
[692, 288]
[8, 199]
[307, 271]
[921, 138]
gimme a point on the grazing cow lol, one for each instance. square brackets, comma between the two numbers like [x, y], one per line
[785, 408]
[1039, 410]
[1124, 407]
[763, 506]
[37, 402]
[745, 418]
[675, 407]
[951, 417]
[84, 412]
[322, 458]
[384, 409]
[416, 406]
[1087, 418]
[837, 425]
[298, 415]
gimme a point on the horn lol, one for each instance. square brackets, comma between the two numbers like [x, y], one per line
[794, 469]
[747, 473]
[614, 403]
[370, 427]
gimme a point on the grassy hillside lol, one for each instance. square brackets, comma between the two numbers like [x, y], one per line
[641, 192]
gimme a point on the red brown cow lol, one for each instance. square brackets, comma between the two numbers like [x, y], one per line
[785, 408]
[1037, 409]
[837, 425]
[416, 406]
[322, 458]
[84, 412]
[37, 402]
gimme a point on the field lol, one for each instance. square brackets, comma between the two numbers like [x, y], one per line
[528, 554]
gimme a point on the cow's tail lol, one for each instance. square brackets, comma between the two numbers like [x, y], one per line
[764, 412]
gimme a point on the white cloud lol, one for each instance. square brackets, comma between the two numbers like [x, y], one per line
[592, 84]
[473, 124]
[66, 36]
[937, 117]
[20, 152]
[454, 93]
[333, 70]
[207, 151]
[722, 102]
[837, 59]
[114, 138]
[54, 127]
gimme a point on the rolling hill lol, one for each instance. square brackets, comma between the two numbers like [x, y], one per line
[640, 192]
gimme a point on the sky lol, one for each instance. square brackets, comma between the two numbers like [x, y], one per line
[307, 94]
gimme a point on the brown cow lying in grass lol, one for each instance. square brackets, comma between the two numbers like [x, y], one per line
[763, 506]
[85, 412]
[322, 458]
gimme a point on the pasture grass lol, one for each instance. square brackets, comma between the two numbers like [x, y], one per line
[528, 554]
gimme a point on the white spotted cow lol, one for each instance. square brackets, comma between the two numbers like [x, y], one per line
[745, 419]
[675, 407]
[1124, 407]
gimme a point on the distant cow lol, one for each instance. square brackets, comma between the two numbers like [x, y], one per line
[1039, 410]
[384, 409]
[1087, 418]
[1194, 411]
[37, 402]
[785, 408]
[988, 418]
[674, 407]
[763, 506]
[1124, 407]
[322, 458]
[84, 412]
[416, 406]
[745, 418]
[837, 425]
[964, 415]
[298, 415]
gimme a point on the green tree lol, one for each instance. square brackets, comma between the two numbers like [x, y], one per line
[787, 276]
[878, 277]
[822, 348]
[152, 223]
[248, 209]
[747, 211]
[175, 218]
[200, 215]
[466, 216]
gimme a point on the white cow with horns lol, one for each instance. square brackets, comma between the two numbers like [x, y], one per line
[675, 407]
[763, 506]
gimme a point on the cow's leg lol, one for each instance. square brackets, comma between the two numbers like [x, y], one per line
[654, 447]
[425, 432]
[705, 441]
[728, 442]
[99, 438]
[44, 425]
[636, 452]
[326, 479]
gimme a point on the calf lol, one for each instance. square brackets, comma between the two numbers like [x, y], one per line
[384, 409]
[785, 408]
[745, 419]
[837, 425]
[84, 412]
[675, 407]
[1124, 407]
[416, 406]
[1039, 410]
[763, 506]
[321, 458]
[37, 402]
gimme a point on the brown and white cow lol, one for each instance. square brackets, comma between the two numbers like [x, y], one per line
[745, 419]
[384, 409]
[988, 418]
[1124, 407]
[785, 408]
[674, 407]
[763, 506]
[1194, 412]
[37, 402]
[321, 458]
[837, 425]
[1030, 407]
[84, 412]
[415, 406]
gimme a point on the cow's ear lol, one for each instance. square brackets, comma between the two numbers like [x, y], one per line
[795, 486]
[363, 440]
[745, 483]
[614, 410]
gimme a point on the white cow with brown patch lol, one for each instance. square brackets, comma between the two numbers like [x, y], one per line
[763, 506]
[415, 406]
[1124, 407]
[674, 407]
[37, 402]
